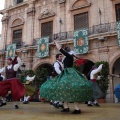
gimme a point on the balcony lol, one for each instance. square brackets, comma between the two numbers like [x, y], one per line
[102, 28]
[94, 30]
[64, 36]
[19, 44]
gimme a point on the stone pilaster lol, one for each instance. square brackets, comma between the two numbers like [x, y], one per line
[30, 23]
[62, 14]
[3, 41]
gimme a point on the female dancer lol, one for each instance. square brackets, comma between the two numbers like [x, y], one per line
[69, 86]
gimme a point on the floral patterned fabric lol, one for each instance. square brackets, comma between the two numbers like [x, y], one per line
[69, 86]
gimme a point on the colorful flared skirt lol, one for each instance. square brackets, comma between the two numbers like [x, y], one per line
[15, 86]
[30, 90]
[97, 92]
[69, 86]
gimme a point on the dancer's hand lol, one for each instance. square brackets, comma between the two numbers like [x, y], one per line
[57, 45]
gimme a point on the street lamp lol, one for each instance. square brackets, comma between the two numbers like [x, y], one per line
[60, 21]
[100, 13]
[23, 67]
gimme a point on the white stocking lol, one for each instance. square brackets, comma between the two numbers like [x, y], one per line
[95, 102]
[76, 106]
[27, 98]
[4, 100]
[66, 105]
[89, 102]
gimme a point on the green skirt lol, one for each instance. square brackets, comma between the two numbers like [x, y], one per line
[69, 86]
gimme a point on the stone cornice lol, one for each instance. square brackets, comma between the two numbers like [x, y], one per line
[106, 34]
[17, 6]
[103, 50]
[80, 7]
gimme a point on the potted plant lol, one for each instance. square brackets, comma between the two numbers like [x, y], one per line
[104, 80]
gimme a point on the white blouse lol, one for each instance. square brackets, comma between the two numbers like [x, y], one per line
[94, 72]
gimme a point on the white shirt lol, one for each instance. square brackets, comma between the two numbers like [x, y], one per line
[72, 52]
[92, 74]
[57, 67]
[30, 78]
[15, 67]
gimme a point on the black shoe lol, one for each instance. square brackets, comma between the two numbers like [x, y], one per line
[61, 106]
[65, 110]
[97, 105]
[89, 105]
[56, 105]
[16, 107]
[76, 112]
[86, 102]
[25, 102]
[2, 104]
[51, 103]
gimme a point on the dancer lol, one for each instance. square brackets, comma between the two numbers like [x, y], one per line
[30, 90]
[58, 68]
[97, 92]
[11, 83]
[69, 86]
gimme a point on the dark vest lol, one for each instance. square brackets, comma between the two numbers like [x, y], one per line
[10, 73]
[1, 78]
[54, 73]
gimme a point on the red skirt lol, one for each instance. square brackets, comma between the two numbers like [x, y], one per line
[15, 86]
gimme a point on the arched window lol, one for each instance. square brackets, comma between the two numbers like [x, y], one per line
[17, 32]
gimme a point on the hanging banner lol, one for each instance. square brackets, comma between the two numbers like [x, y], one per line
[118, 31]
[81, 41]
[43, 47]
[11, 51]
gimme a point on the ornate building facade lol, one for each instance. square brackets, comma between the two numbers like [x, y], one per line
[24, 21]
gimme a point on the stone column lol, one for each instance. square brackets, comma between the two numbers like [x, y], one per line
[3, 41]
[30, 23]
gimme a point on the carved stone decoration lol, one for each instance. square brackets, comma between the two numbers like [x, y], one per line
[77, 4]
[46, 13]
[31, 11]
[61, 1]
[5, 19]
[17, 22]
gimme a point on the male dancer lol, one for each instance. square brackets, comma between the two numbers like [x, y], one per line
[58, 68]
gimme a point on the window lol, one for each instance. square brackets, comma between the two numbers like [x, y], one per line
[19, 1]
[81, 21]
[17, 38]
[117, 8]
[47, 29]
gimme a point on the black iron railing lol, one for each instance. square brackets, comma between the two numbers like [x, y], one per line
[102, 28]
[19, 44]
[96, 29]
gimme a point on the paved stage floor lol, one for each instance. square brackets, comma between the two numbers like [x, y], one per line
[44, 111]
